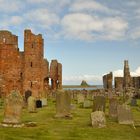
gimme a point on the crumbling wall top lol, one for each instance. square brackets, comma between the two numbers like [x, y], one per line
[6, 37]
[30, 37]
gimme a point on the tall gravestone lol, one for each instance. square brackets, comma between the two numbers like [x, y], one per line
[113, 103]
[99, 103]
[31, 104]
[124, 114]
[13, 109]
[63, 104]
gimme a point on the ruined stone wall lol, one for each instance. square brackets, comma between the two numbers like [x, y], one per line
[107, 81]
[118, 83]
[135, 82]
[28, 70]
[56, 74]
[10, 62]
[33, 63]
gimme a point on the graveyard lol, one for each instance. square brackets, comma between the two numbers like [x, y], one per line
[45, 126]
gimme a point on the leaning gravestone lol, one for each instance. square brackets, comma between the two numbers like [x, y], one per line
[63, 104]
[13, 110]
[31, 104]
[98, 119]
[99, 103]
[113, 103]
[124, 114]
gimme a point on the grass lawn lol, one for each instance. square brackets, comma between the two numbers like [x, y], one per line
[78, 128]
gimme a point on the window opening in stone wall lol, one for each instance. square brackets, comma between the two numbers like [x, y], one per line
[31, 84]
[31, 64]
[21, 75]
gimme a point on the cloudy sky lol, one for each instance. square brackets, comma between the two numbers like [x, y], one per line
[89, 37]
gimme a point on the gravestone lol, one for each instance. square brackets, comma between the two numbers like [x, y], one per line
[38, 104]
[44, 101]
[63, 104]
[87, 104]
[133, 102]
[80, 98]
[99, 103]
[13, 109]
[98, 119]
[31, 104]
[113, 103]
[124, 114]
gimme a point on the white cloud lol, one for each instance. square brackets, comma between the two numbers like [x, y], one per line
[88, 27]
[119, 73]
[8, 7]
[91, 6]
[135, 33]
[42, 18]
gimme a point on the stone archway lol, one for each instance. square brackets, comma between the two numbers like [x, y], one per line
[28, 93]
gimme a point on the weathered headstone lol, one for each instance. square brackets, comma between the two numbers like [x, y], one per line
[124, 114]
[63, 104]
[44, 101]
[13, 109]
[99, 103]
[80, 98]
[87, 104]
[133, 102]
[98, 119]
[28, 93]
[113, 103]
[31, 104]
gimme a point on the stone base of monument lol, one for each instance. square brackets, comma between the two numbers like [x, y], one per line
[4, 124]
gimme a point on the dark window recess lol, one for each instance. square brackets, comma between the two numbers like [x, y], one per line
[21, 75]
[31, 84]
[31, 64]
[32, 45]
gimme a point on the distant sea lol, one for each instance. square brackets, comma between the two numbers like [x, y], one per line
[81, 88]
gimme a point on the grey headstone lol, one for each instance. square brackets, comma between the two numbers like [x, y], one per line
[133, 102]
[124, 114]
[44, 101]
[87, 104]
[113, 103]
[13, 108]
[63, 104]
[98, 119]
[31, 104]
[80, 98]
[99, 103]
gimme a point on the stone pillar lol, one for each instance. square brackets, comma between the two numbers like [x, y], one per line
[127, 77]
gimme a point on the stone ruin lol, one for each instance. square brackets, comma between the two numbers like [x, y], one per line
[26, 70]
[124, 84]
[107, 81]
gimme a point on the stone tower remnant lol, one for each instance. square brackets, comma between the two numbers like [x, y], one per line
[26, 70]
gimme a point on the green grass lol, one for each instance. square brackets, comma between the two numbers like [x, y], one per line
[78, 128]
